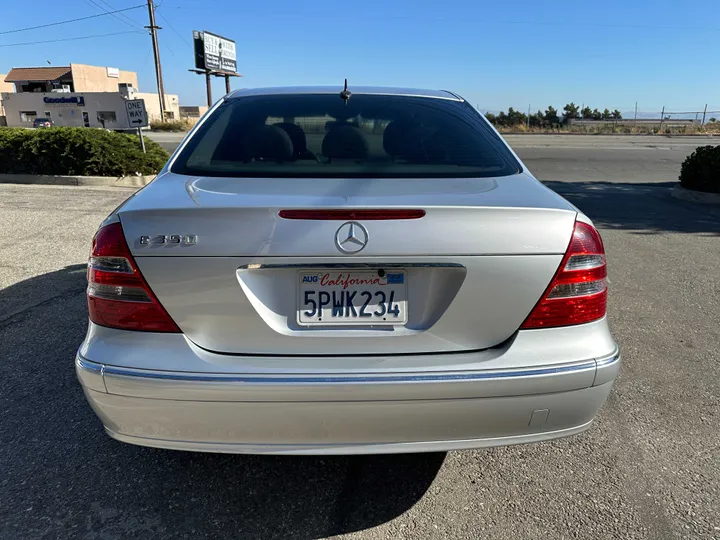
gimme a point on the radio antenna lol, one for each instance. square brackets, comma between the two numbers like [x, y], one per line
[345, 94]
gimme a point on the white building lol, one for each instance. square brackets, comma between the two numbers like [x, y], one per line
[78, 109]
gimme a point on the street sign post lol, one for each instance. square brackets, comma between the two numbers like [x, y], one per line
[137, 117]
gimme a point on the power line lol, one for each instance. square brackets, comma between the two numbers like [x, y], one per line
[115, 16]
[131, 21]
[71, 20]
[173, 29]
[71, 39]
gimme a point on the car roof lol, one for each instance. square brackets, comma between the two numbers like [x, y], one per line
[358, 90]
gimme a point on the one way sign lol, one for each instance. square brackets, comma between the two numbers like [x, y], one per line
[136, 113]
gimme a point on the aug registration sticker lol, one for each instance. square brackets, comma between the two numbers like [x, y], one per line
[352, 298]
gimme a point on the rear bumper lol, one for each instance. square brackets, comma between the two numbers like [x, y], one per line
[347, 413]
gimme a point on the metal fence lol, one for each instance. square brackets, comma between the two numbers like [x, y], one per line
[634, 116]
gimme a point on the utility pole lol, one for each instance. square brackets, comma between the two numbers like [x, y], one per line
[635, 120]
[528, 117]
[662, 117]
[704, 113]
[156, 52]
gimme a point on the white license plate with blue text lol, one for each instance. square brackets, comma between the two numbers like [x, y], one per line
[341, 297]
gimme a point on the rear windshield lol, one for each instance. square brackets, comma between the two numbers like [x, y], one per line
[320, 135]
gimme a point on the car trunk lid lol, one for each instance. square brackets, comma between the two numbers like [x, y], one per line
[473, 266]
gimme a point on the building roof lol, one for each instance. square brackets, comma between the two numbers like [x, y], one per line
[374, 90]
[37, 73]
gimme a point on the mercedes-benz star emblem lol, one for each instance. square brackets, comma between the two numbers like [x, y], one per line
[351, 237]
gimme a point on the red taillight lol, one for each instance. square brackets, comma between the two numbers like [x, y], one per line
[118, 295]
[578, 292]
[344, 215]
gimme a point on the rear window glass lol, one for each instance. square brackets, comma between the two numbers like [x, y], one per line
[319, 135]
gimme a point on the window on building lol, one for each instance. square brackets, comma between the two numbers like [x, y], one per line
[107, 116]
[169, 115]
[28, 116]
[47, 114]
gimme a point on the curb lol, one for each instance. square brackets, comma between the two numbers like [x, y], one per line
[690, 195]
[55, 180]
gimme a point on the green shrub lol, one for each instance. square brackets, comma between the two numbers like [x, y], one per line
[170, 125]
[11, 142]
[701, 170]
[77, 151]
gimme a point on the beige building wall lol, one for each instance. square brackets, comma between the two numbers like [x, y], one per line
[152, 105]
[95, 78]
[4, 87]
[193, 113]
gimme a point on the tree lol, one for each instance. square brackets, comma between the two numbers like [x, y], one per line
[571, 110]
[712, 120]
[616, 115]
[537, 119]
[596, 115]
[586, 113]
[491, 118]
[516, 118]
[606, 115]
[502, 119]
[551, 116]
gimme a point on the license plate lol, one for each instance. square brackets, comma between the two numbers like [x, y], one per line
[351, 298]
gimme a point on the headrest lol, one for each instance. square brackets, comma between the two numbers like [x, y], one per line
[345, 142]
[269, 143]
[451, 146]
[394, 137]
[297, 136]
[403, 139]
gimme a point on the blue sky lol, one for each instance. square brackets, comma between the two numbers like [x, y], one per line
[496, 54]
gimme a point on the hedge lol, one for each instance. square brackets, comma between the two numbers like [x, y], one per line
[171, 125]
[701, 170]
[77, 151]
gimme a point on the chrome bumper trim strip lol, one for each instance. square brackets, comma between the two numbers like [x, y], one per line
[615, 357]
[373, 265]
[345, 379]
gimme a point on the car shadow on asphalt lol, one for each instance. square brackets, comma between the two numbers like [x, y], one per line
[63, 477]
[639, 207]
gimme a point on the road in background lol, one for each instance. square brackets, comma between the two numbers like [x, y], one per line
[605, 158]
[611, 158]
[649, 469]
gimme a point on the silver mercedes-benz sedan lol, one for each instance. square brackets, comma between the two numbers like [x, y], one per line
[341, 272]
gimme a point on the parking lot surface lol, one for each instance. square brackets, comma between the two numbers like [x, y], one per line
[648, 469]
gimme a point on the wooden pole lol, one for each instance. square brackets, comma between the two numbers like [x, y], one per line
[227, 84]
[156, 53]
[704, 113]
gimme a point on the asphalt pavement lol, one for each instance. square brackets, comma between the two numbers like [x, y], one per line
[649, 468]
[608, 158]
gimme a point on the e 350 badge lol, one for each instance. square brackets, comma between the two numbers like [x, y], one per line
[169, 239]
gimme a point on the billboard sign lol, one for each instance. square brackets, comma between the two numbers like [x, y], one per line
[214, 53]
